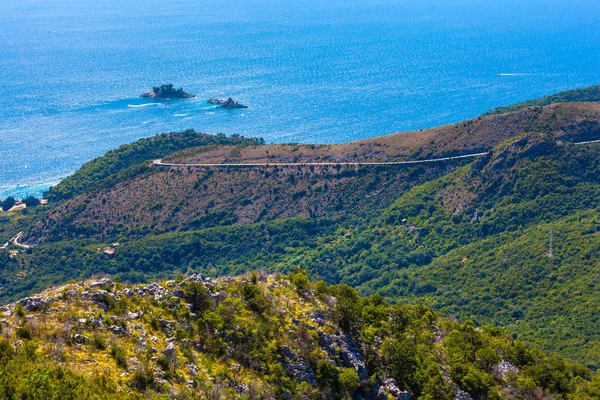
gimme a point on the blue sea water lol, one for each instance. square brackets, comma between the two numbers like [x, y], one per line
[322, 71]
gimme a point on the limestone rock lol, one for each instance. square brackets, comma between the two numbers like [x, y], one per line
[101, 283]
[170, 351]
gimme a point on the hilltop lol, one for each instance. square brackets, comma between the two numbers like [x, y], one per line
[118, 194]
[261, 336]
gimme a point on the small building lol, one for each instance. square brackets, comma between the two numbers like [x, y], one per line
[109, 253]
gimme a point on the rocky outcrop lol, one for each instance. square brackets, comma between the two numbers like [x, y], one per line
[167, 92]
[166, 326]
[391, 386]
[229, 103]
[342, 349]
[102, 283]
[504, 368]
[169, 351]
[297, 367]
[154, 289]
[460, 394]
[34, 303]
[102, 298]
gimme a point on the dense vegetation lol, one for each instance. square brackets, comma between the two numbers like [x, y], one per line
[590, 94]
[19, 220]
[117, 163]
[261, 336]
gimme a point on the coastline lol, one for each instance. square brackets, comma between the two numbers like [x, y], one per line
[36, 189]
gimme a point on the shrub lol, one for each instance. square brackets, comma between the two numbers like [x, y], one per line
[300, 280]
[195, 293]
[349, 380]
[118, 353]
[142, 379]
[255, 299]
[19, 310]
[163, 362]
[348, 308]
[327, 374]
[29, 350]
[98, 341]
[401, 354]
[24, 333]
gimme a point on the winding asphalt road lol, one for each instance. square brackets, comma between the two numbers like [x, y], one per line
[431, 160]
[162, 164]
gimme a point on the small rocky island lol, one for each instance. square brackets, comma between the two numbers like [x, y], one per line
[229, 103]
[167, 92]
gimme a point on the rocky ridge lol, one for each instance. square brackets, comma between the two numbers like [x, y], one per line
[252, 336]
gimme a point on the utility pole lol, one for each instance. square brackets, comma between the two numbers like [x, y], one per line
[551, 245]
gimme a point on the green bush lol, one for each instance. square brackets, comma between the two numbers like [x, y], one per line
[24, 333]
[118, 353]
[349, 380]
[98, 341]
[348, 308]
[196, 294]
[142, 379]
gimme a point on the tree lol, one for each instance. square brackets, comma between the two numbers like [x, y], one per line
[195, 293]
[349, 380]
[348, 308]
[327, 374]
[31, 201]
[8, 203]
[402, 357]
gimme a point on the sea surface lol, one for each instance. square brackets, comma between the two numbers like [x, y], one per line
[311, 71]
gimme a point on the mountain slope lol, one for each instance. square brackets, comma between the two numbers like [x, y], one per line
[131, 155]
[446, 243]
[167, 199]
[474, 244]
[511, 280]
[261, 336]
